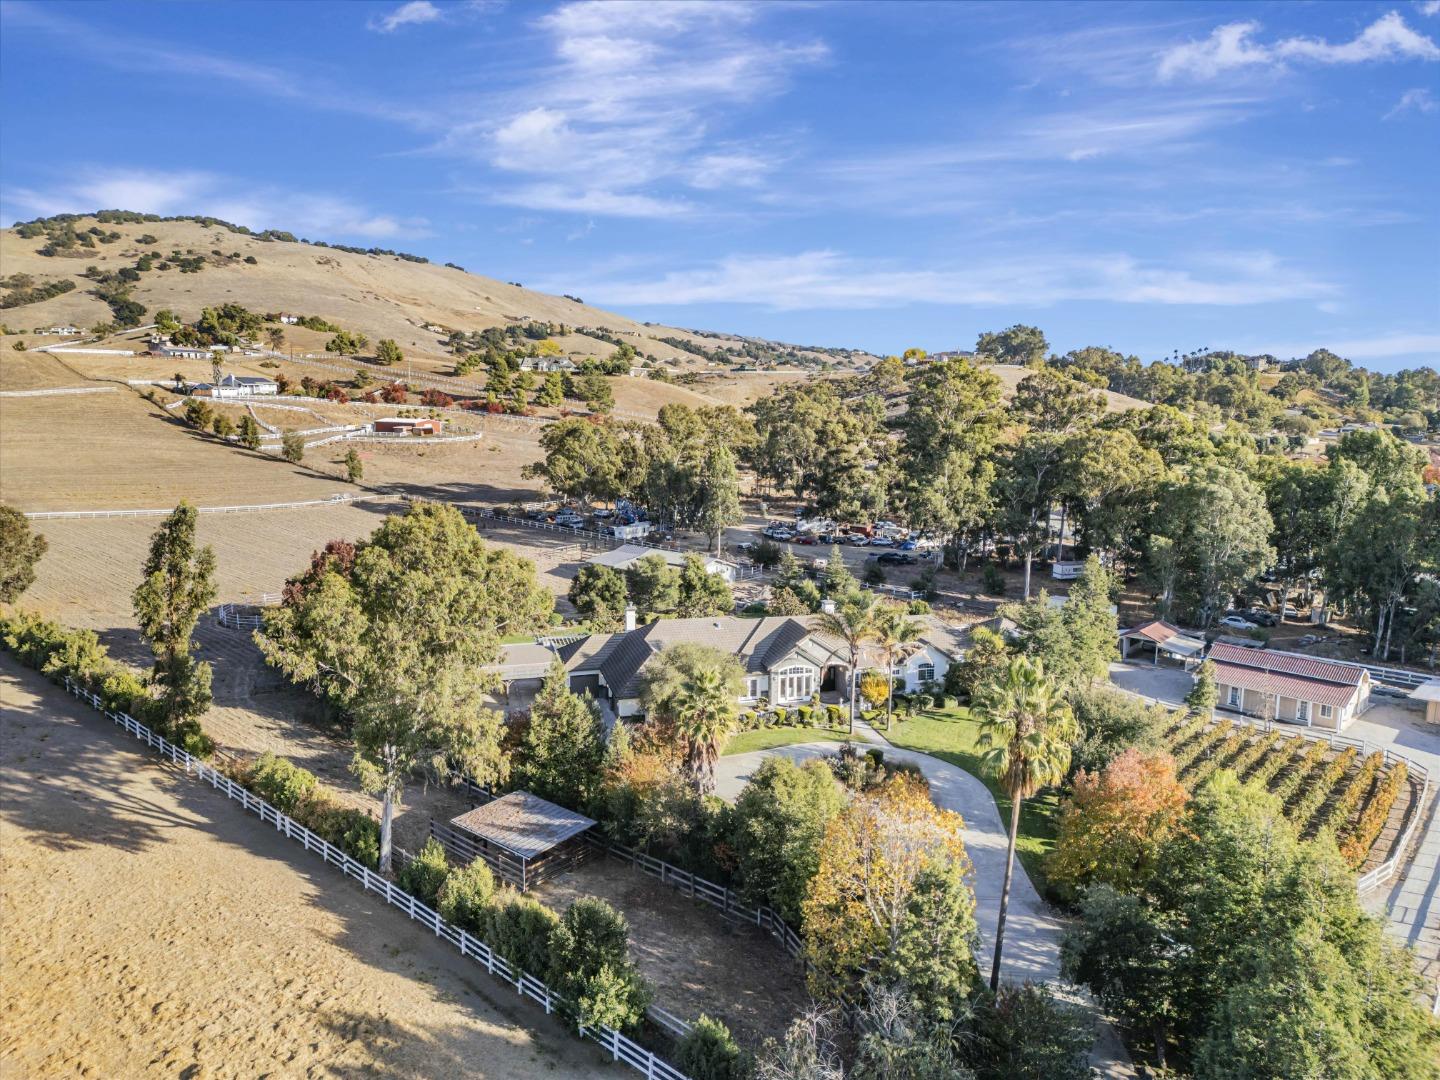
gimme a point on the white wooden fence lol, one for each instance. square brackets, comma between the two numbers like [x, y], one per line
[59, 390]
[334, 500]
[617, 1045]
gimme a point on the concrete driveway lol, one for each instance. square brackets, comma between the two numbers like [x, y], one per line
[1164, 683]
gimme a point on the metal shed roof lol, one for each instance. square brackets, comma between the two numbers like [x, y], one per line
[523, 824]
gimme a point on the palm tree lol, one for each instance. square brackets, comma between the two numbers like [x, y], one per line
[853, 622]
[705, 712]
[897, 636]
[1026, 732]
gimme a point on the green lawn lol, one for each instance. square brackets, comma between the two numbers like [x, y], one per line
[950, 734]
[769, 738]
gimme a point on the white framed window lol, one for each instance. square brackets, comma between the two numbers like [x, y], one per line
[792, 683]
[1326, 712]
[1234, 698]
[926, 672]
[752, 687]
[1302, 711]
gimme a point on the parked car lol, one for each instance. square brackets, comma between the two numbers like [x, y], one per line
[1261, 617]
[807, 539]
[1235, 622]
[910, 545]
[895, 558]
[881, 541]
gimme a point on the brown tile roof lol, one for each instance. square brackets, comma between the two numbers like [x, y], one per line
[1308, 667]
[523, 824]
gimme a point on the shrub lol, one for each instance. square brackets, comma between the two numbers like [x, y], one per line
[1357, 845]
[1338, 815]
[993, 580]
[590, 965]
[804, 716]
[709, 1052]
[423, 875]
[779, 716]
[1271, 764]
[464, 898]
[917, 607]
[1312, 760]
[281, 783]
[1198, 746]
[834, 715]
[361, 839]
[749, 720]
[1218, 758]
[519, 928]
[1257, 749]
[1304, 808]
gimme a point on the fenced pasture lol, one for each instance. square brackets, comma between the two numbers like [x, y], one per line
[1368, 798]
[117, 450]
[146, 936]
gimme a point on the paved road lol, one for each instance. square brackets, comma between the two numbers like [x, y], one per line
[1032, 928]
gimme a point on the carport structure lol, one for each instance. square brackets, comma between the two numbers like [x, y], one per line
[523, 838]
[1160, 637]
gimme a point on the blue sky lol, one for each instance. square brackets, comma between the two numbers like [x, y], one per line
[1145, 176]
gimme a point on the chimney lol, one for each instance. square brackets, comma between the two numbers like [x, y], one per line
[629, 617]
[827, 606]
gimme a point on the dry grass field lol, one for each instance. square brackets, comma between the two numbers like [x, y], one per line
[151, 928]
[101, 451]
[1010, 376]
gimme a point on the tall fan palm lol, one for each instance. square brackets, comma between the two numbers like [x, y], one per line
[853, 622]
[1026, 732]
[898, 637]
[705, 711]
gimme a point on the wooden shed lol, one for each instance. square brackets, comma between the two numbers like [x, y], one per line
[522, 837]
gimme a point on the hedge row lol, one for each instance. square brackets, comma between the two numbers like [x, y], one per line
[1221, 755]
[1314, 797]
[1253, 753]
[297, 793]
[583, 955]
[1337, 816]
[800, 716]
[1372, 820]
[1309, 762]
[1198, 746]
[1192, 727]
[58, 652]
[1271, 766]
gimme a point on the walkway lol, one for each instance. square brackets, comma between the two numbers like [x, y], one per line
[1032, 928]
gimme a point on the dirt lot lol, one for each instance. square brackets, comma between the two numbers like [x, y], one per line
[732, 972]
[153, 929]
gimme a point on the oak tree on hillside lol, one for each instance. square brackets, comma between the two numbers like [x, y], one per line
[20, 550]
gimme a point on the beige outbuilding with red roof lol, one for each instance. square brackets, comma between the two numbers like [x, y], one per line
[1290, 686]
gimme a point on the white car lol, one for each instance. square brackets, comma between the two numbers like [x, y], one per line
[1235, 622]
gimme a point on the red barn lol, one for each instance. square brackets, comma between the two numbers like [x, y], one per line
[398, 426]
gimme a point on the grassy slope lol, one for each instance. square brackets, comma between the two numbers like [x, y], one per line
[950, 735]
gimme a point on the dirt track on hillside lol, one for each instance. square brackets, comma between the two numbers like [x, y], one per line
[149, 927]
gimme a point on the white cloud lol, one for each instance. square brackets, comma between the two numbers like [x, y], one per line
[412, 14]
[633, 97]
[1420, 99]
[1430, 7]
[828, 280]
[1231, 47]
[321, 217]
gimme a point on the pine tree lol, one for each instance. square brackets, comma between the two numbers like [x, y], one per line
[177, 589]
[564, 747]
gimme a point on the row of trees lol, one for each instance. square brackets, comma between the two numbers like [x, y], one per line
[654, 587]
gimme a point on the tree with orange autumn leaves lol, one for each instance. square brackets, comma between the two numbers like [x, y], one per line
[889, 899]
[1117, 821]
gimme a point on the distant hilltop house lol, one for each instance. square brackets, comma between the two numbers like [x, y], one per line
[433, 328]
[234, 386]
[60, 331]
[785, 660]
[627, 555]
[396, 425]
[159, 346]
[546, 363]
[288, 319]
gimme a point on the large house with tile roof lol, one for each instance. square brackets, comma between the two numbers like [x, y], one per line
[785, 660]
[1289, 686]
